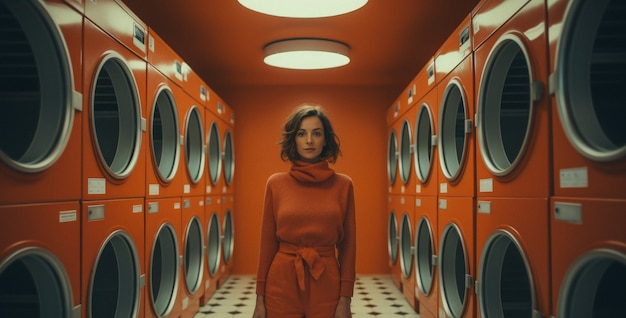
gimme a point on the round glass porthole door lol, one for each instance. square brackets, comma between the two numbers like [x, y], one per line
[164, 270]
[406, 247]
[392, 237]
[590, 64]
[116, 116]
[506, 286]
[424, 143]
[215, 153]
[164, 135]
[404, 157]
[194, 255]
[229, 236]
[115, 286]
[37, 88]
[453, 271]
[229, 158]
[214, 244]
[34, 283]
[392, 157]
[505, 101]
[194, 144]
[453, 135]
[594, 286]
[424, 254]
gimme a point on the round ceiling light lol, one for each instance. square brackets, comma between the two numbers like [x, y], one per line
[303, 8]
[306, 54]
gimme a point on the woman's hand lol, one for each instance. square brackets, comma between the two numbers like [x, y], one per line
[259, 308]
[343, 308]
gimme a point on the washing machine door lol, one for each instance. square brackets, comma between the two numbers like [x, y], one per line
[194, 144]
[34, 284]
[589, 78]
[424, 143]
[404, 158]
[213, 244]
[193, 261]
[214, 153]
[454, 278]
[228, 243]
[392, 157]
[425, 259]
[392, 237]
[229, 158]
[164, 136]
[406, 247]
[594, 286]
[37, 91]
[454, 128]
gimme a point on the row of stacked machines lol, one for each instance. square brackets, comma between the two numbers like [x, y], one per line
[507, 166]
[116, 167]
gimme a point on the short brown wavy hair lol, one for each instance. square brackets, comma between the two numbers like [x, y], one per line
[289, 151]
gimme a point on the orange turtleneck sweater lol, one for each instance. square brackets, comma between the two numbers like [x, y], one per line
[309, 206]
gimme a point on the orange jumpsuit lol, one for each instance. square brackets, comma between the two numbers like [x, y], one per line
[308, 242]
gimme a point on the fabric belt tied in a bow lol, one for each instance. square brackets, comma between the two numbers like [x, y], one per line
[311, 256]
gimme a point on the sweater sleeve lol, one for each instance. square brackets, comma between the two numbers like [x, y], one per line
[347, 247]
[268, 242]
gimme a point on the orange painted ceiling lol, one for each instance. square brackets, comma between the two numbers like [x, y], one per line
[390, 40]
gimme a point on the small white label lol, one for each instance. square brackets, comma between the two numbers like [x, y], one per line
[177, 206]
[486, 185]
[402, 200]
[153, 189]
[224, 189]
[443, 204]
[151, 44]
[418, 188]
[568, 212]
[209, 189]
[186, 188]
[418, 202]
[96, 186]
[185, 302]
[573, 178]
[402, 189]
[443, 187]
[67, 216]
[137, 208]
[484, 207]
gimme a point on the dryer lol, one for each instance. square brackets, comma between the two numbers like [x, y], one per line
[192, 243]
[513, 257]
[113, 150]
[40, 139]
[212, 246]
[407, 249]
[457, 269]
[163, 257]
[455, 89]
[586, 84]
[164, 172]
[112, 258]
[426, 245]
[512, 109]
[228, 236]
[194, 145]
[588, 263]
[393, 239]
[40, 260]
[425, 155]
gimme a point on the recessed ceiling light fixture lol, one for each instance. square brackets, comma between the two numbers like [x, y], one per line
[306, 54]
[303, 8]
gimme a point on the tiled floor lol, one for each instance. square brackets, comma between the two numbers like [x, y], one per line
[374, 296]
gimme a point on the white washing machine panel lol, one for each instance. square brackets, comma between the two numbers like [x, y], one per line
[41, 123]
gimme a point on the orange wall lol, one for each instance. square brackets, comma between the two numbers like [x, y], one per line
[358, 117]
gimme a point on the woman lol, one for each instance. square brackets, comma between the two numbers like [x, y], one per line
[308, 235]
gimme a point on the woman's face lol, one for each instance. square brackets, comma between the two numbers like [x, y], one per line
[310, 139]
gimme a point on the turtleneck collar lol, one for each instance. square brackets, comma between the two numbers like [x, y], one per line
[311, 172]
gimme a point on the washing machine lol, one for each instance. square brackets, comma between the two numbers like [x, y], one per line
[192, 243]
[40, 260]
[40, 139]
[228, 236]
[393, 239]
[588, 263]
[425, 155]
[586, 83]
[192, 115]
[212, 246]
[513, 257]
[113, 151]
[163, 257]
[456, 259]
[215, 181]
[456, 142]
[426, 248]
[513, 111]
[407, 249]
[112, 258]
